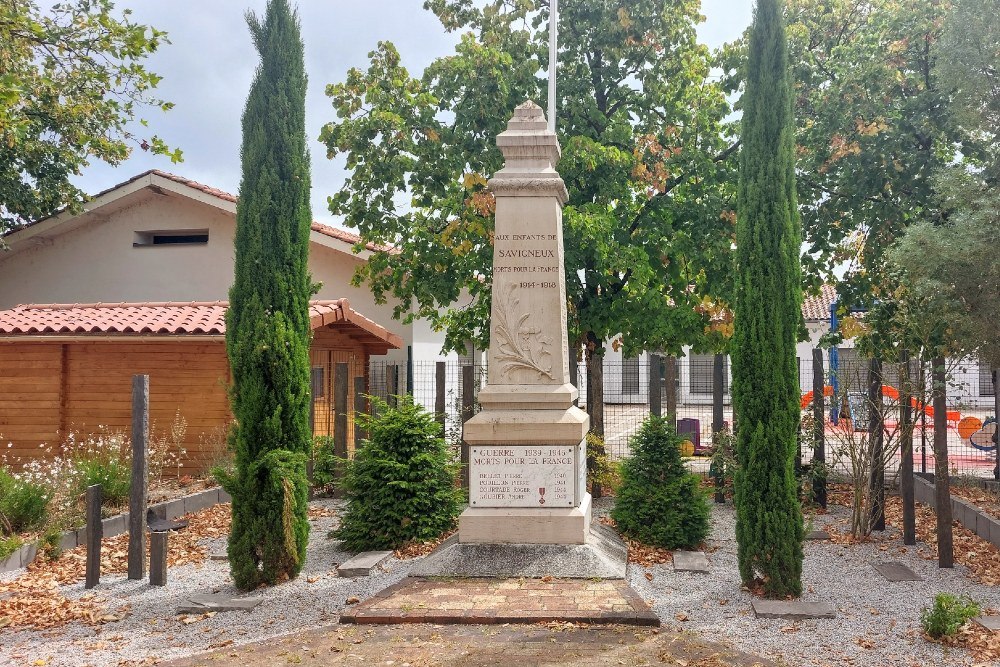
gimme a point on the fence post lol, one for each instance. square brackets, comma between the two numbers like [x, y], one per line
[996, 415]
[95, 533]
[340, 372]
[391, 384]
[876, 436]
[718, 419]
[409, 370]
[360, 407]
[942, 486]
[574, 374]
[906, 447]
[655, 393]
[670, 391]
[439, 395]
[922, 382]
[819, 430]
[140, 478]
[468, 405]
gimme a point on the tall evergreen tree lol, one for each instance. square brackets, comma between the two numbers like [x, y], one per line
[267, 326]
[769, 528]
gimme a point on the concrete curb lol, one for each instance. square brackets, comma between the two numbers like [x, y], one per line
[117, 525]
[970, 516]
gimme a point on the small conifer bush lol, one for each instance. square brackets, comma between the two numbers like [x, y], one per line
[659, 502]
[400, 486]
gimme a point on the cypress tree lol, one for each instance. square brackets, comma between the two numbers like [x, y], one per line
[267, 325]
[769, 528]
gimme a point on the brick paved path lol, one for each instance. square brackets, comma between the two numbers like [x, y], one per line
[478, 646]
[489, 601]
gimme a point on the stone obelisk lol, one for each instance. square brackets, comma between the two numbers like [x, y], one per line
[527, 458]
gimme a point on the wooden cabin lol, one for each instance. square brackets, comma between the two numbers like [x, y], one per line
[67, 368]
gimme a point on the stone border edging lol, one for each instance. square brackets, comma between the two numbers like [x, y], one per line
[979, 522]
[116, 525]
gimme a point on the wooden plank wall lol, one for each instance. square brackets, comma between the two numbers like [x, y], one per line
[331, 346]
[83, 386]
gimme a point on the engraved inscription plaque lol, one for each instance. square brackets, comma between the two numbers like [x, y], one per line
[517, 476]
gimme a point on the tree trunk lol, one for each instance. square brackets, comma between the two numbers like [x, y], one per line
[906, 447]
[876, 446]
[942, 487]
[595, 395]
[996, 415]
[670, 389]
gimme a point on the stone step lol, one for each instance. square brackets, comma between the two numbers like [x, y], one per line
[792, 609]
[690, 561]
[895, 571]
[362, 564]
[817, 535]
[988, 622]
[198, 604]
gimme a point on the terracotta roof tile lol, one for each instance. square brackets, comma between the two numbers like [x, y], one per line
[161, 319]
[817, 306]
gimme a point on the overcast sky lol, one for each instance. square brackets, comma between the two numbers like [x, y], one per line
[210, 61]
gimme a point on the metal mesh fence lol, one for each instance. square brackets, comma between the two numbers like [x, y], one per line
[689, 391]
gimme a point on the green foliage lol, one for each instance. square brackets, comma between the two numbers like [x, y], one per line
[9, 545]
[601, 470]
[873, 129]
[23, 503]
[659, 502]
[112, 472]
[400, 486]
[769, 528]
[325, 463]
[72, 82]
[948, 614]
[267, 324]
[646, 159]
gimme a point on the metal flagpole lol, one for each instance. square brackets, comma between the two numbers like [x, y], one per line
[553, 22]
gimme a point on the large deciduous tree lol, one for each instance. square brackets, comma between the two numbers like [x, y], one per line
[649, 224]
[769, 529]
[72, 79]
[267, 325]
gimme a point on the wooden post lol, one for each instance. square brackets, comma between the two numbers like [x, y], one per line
[670, 391]
[574, 373]
[158, 558]
[942, 486]
[392, 384]
[655, 377]
[95, 533]
[468, 406]
[876, 446]
[718, 418]
[360, 407]
[922, 383]
[996, 415]
[440, 369]
[906, 448]
[819, 430]
[340, 372]
[140, 478]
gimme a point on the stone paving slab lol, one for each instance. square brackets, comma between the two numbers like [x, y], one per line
[988, 622]
[497, 601]
[792, 609]
[690, 561]
[197, 604]
[817, 535]
[362, 564]
[895, 571]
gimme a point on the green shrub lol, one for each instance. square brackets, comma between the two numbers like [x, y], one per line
[112, 472]
[659, 502]
[325, 462]
[948, 614]
[400, 486]
[601, 470]
[23, 503]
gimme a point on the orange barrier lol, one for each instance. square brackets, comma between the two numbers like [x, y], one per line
[890, 392]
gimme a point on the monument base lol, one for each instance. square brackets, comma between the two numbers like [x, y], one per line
[603, 556]
[526, 525]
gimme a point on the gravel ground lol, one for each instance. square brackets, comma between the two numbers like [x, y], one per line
[151, 629]
[877, 621]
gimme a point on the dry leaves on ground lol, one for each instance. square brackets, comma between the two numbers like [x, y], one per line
[639, 553]
[417, 549]
[34, 599]
[987, 501]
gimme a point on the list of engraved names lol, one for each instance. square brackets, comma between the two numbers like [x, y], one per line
[538, 476]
